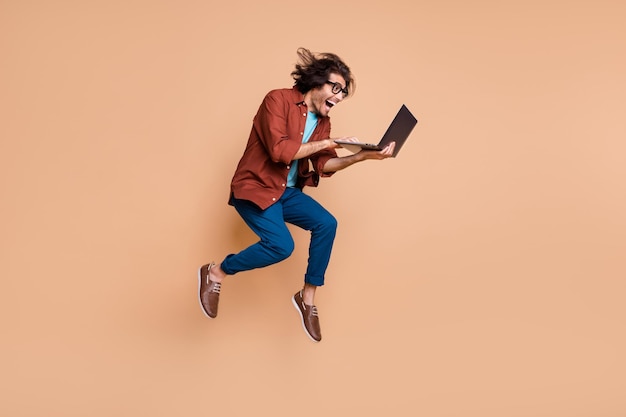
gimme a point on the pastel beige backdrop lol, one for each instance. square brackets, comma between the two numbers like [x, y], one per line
[481, 273]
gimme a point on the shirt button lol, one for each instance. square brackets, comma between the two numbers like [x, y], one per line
[304, 114]
[302, 133]
[274, 199]
[288, 167]
[283, 185]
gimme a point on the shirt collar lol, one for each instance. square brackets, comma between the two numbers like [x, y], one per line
[298, 97]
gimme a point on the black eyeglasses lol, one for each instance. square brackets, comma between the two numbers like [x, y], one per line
[337, 88]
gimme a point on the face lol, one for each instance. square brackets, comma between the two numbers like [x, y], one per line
[321, 100]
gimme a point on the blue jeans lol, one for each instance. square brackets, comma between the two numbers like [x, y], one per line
[276, 243]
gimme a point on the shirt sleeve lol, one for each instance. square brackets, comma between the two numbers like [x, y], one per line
[319, 159]
[271, 123]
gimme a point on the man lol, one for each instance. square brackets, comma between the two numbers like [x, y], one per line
[290, 134]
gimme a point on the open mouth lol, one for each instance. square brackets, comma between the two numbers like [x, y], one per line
[330, 104]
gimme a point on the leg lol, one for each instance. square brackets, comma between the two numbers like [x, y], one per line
[308, 294]
[275, 244]
[303, 211]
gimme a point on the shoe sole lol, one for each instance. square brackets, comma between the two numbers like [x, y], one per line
[295, 304]
[199, 297]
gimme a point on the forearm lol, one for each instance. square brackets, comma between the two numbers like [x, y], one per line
[309, 148]
[341, 162]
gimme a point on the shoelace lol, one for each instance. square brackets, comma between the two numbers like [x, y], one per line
[314, 311]
[218, 285]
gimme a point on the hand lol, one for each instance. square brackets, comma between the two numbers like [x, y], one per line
[346, 138]
[387, 152]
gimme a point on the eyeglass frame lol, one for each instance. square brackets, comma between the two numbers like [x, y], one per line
[336, 88]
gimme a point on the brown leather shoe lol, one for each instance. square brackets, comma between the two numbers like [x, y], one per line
[310, 319]
[208, 291]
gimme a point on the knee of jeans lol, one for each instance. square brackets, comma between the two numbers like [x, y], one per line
[283, 249]
[329, 223]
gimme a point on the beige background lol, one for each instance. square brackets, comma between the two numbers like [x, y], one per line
[481, 273]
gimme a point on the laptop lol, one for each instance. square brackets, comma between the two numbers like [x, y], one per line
[398, 131]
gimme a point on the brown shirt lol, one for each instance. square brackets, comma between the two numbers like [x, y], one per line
[276, 136]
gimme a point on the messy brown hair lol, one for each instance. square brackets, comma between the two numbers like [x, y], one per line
[313, 70]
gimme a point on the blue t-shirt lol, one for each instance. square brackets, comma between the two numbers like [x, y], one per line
[309, 127]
